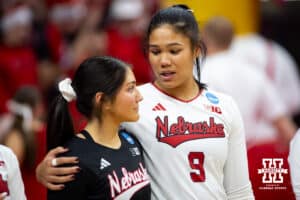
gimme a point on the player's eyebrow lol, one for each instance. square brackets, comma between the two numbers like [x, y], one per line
[168, 45]
[131, 82]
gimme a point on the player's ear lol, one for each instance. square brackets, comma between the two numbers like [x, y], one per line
[101, 101]
[98, 97]
[197, 52]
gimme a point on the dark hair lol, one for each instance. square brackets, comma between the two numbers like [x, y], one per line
[27, 96]
[96, 74]
[181, 18]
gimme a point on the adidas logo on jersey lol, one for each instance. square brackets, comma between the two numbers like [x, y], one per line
[104, 163]
[135, 151]
[159, 107]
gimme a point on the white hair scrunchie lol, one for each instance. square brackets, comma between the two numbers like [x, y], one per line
[67, 90]
[21, 109]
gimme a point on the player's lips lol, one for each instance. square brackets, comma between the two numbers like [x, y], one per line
[167, 75]
[136, 109]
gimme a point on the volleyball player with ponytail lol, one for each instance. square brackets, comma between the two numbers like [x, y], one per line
[109, 158]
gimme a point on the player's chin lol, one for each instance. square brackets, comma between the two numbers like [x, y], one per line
[133, 117]
[169, 84]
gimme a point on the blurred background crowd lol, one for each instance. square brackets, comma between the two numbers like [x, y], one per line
[43, 41]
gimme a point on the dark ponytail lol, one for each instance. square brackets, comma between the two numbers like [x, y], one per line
[59, 123]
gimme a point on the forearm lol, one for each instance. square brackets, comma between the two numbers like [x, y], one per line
[286, 129]
[54, 177]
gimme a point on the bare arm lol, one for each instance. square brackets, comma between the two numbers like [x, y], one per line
[54, 177]
[3, 195]
[285, 128]
[15, 141]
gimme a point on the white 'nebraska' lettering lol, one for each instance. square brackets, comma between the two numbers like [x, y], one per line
[129, 179]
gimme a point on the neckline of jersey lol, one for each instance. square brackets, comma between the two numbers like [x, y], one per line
[101, 145]
[178, 99]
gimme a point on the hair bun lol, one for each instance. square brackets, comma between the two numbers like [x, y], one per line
[182, 6]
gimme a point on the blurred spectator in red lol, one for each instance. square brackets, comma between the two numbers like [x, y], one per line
[47, 39]
[125, 35]
[48, 46]
[18, 64]
[82, 24]
[68, 16]
[97, 17]
[23, 130]
[90, 40]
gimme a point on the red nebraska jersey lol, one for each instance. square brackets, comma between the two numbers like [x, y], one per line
[193, 149]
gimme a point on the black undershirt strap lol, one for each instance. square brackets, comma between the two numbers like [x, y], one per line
[87, 135]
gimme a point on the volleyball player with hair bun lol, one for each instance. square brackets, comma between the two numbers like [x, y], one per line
[193, 138]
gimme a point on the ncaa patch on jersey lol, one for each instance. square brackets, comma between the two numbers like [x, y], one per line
[212, 98]
[128, 138]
